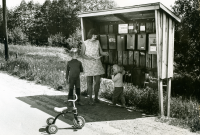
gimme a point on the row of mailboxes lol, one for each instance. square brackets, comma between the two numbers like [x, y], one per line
[132, 27]
[137, 58]
[129, 41]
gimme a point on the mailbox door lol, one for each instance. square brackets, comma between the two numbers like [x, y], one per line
[152, 44]
[111, 28]
[136, 58]
[142, 59]
[130, 62]
[142, 27]
[125, 57]
[141, 42]
[154, 61]
[149, 27]
[112, 41]
[104, 41]
[121, 42]
[131, 41]
[148, 60]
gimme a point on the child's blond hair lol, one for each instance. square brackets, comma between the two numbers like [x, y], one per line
[119, 68]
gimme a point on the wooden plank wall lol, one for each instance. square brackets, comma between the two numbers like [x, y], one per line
[165, 54]
[165, 46]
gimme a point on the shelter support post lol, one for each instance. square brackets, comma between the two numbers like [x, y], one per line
[5, 29]
[168, 96]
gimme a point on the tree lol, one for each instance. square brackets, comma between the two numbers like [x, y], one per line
[93, 5]
[187, 37]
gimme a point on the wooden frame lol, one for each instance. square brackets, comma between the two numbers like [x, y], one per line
[163, 23]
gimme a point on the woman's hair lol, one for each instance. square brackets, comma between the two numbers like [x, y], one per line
[91, 32]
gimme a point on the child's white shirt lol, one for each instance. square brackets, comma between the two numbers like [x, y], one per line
[118, 80]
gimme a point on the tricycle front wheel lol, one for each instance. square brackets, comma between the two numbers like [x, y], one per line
[80, 123]
[52, 129]
[50, 120]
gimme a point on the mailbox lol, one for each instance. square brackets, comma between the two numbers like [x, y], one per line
[136, 58]
[110, 28]
[112, 41]
[152, 44]
[154, 61]
[104, 41]
[131, 41]
[142, 59]
[141, 42]
[121, 42]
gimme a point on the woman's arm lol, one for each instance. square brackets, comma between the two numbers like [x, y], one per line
[101, 51]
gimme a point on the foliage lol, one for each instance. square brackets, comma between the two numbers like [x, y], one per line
[58, 40]
[42, 65]
[187, 37]
[40, 22]
[187, 113]
[16, 36]
[184, 112]
[186, 86]
[93, 5]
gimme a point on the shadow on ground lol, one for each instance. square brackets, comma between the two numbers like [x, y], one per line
[99, 112]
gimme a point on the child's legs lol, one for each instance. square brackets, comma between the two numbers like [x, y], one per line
[71, 88]
[77, 87]
[115, 96]
[122, 99]
[89, 86]
[97, 85]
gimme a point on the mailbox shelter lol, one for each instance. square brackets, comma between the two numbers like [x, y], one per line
[139, 37]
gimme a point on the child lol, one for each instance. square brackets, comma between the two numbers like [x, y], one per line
[74, 67]
[117, 78]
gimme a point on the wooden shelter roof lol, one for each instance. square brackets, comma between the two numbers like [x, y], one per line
[130, 13]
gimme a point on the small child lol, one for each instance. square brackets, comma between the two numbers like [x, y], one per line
[74, 67]
[117, 78]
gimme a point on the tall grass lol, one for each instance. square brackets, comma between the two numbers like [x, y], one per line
[46, 65]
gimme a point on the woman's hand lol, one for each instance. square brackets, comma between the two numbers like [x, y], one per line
[105, 53]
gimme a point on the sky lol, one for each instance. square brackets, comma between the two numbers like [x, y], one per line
[121, 3]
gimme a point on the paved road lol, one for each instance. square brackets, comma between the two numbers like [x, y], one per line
[19, 117]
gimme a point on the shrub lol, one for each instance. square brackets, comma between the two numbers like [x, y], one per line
[186, 86]
[17, 36]
[58, 40]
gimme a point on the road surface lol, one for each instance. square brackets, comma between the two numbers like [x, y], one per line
[22, 116]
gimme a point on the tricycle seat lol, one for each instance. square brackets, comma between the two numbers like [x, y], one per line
[60, 110]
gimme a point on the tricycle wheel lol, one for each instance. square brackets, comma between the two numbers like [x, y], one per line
[52, 129]
[50, 120]
[81, 122]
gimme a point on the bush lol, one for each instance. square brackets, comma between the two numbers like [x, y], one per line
[186, 86]
[143, 98]
[17, 36]
[58, 40]
[185, 111]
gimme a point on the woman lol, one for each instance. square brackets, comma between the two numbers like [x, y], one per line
[91, 52]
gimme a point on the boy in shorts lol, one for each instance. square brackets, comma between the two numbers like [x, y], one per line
[74, 67]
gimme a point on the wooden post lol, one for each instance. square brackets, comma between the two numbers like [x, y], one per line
[168, 96]
[5, 30]
[158, 17]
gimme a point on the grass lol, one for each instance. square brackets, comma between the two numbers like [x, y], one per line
[46, 65]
